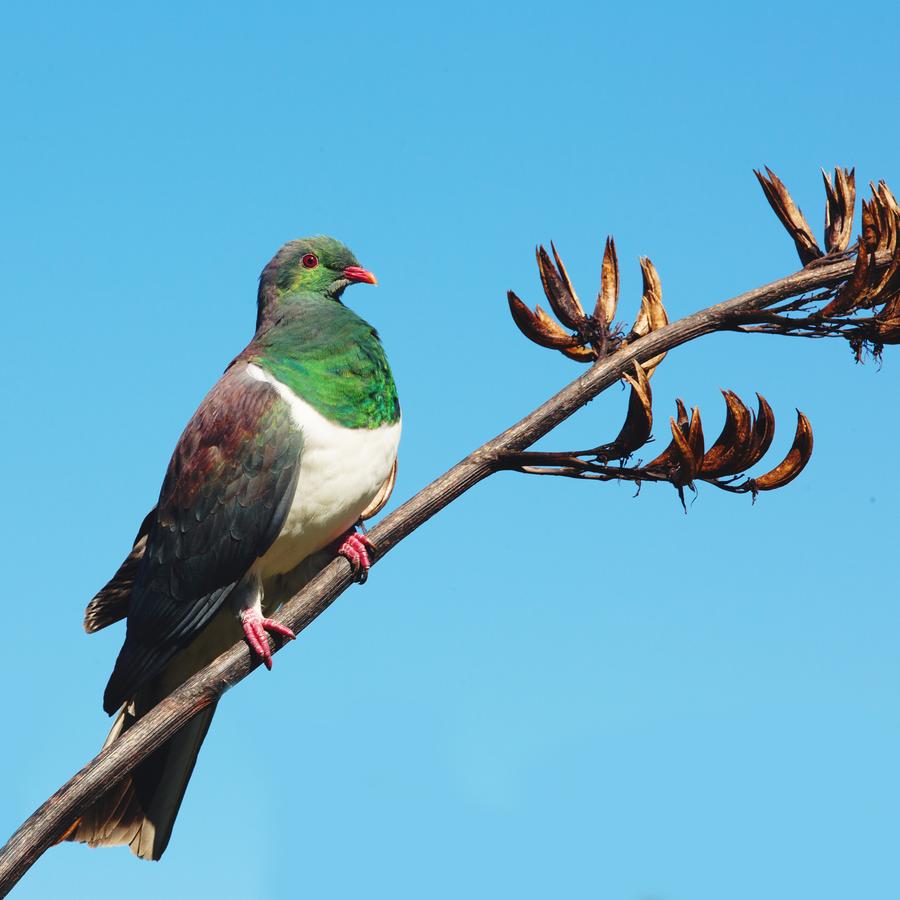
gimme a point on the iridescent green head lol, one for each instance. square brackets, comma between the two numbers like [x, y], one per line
[316, 265]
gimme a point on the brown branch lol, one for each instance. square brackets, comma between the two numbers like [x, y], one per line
[50, 821]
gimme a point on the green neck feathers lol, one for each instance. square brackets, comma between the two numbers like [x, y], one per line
[331, 358]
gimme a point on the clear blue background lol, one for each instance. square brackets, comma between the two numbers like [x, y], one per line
[552, 689]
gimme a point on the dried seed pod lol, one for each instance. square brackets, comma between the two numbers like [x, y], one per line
[839, 209]
[680, 461]
[870, 236]
[795, 461]
[608, 296]
[580, 354]
[790, 215]
[727, 454]
[537, 326]
[676, 463]
[639, 421]
[576, 306]
[695, 439]
[763, 432]
[884, 207]
[889, 280]
[665, 461]
[886, 327]
[641, 325]
[751, 449]
[855, 291]
[884, 236]
[683, 454]
[652, 314]
[879, 230]
[557, 287]
[887, 197]
[653, 285]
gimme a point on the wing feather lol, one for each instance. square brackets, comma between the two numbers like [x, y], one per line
[223, 503]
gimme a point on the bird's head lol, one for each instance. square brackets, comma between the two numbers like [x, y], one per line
[314, 265]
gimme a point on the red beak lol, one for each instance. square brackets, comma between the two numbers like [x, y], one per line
[358, 273]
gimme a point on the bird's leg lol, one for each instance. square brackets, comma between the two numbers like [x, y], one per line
[255, 625]
[355, 547]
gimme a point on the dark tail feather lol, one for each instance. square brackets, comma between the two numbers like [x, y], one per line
[111, 602]
[141, 809]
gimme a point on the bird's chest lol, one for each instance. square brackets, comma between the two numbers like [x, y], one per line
[341, 472]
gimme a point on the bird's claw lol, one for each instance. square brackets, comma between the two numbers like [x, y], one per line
[255, 628]
[355, 547]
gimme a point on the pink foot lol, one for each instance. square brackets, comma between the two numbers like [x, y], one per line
[255, 628]
[355, 547]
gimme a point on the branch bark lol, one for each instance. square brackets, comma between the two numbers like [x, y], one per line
[50, 821]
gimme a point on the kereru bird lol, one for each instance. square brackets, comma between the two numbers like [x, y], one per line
[293, 447]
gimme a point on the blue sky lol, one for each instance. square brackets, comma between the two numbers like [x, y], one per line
[552, 689]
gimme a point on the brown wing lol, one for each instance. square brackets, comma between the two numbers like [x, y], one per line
[224, 500]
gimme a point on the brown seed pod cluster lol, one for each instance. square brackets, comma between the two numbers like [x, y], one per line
[744, 440]
[840, 197]
[874, 284]
[586, 338]
[870, 287]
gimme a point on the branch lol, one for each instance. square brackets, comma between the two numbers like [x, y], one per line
[855, 282]
[46, 826]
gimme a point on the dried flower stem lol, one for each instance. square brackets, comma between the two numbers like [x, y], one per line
[50, 821]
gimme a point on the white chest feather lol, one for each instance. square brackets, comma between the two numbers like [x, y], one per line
[341, 471]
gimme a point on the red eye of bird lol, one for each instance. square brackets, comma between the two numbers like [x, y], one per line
[310, 261]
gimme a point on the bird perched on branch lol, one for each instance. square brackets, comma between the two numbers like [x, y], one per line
[293, 447]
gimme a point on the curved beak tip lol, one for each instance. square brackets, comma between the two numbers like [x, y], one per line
[359, 274]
